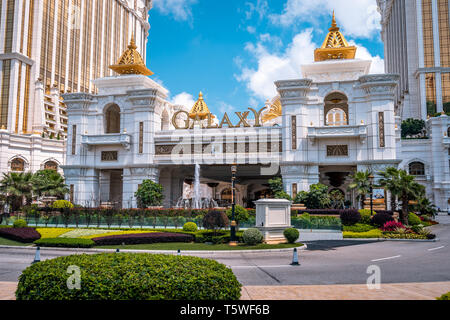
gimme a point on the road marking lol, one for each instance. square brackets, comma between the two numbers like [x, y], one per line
[436, 248]
[265, 267]
[388, 258]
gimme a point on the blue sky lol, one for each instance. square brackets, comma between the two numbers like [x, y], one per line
[233, 50]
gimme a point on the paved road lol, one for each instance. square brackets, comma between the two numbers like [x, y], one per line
[328, 262]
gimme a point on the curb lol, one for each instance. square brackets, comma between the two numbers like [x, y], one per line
[217, 252]
[383, 239]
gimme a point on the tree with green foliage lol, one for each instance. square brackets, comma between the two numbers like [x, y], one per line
[316, 198]
[18, 188]
[49, 183]
[240, 215]
[149, 194]
[410, 190]
[276, 186]
[412, 127]
[391, 181]
[361, 185]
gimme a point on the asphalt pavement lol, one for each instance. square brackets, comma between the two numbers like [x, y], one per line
[323, 263]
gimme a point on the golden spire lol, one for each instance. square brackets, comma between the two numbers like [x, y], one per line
[200, 109]
[131, 62]
[335, 46]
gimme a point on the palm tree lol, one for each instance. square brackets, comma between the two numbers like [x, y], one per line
[361, 184]
[17, 187]
[410, 190]
[49, 183]
[390, 181]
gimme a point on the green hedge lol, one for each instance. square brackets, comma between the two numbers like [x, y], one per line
[65, 243]
[445, 297]
[124, 276]
[359, 227]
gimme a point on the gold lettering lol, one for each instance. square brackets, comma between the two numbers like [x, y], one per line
[243, 119]
[211, 125]
[226, 120]
[257, 116]
[174, 120]
[197, 122]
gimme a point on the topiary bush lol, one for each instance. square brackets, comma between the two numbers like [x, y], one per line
[190, 227]
[20, 223]
[350, 217]
[366, 215]
[126, 276]
[291, 235]
[65, 243]
[380, 219]
[413, 219]
[252, 237]
[359, 227]
[62, 204]
[143, 238]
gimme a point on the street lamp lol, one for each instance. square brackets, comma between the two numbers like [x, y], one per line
[233, 241]
[371, 178]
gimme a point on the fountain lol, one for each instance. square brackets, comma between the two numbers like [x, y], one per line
[196, 201]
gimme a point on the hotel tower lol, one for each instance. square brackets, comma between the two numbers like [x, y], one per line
[417, 46]
[52, 47]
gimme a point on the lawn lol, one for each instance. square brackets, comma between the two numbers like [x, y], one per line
[7, 242]
[200, 247]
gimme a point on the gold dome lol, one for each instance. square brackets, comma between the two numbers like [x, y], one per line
[131, 62]
[335, 46]
[200, 109]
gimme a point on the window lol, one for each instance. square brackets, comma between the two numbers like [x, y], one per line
[417, 169]
[336, 110]
[112, 116]
[51, 165]
[18, 165]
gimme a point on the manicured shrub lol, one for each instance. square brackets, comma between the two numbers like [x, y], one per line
[220, 237]
[149, 194]
[291, 235]
[20, 223]
[252, 237]
[413, 219]
[444, 297]
[190, 227]
[62, 204]
[143, 238]
[65, 243]
[350, 217]
[126, 276]
[381, 218]
[375, 233]
[240, 214]
[334, 212]
[392, 226]
[359, 227]
[215, 220]
[25, 235]
[366, 215]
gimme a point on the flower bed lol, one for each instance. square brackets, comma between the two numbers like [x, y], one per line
[334, 212]
[24, 235]
[144, 238]
[48, 233]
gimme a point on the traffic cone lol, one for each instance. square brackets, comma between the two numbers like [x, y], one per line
[295, 258]
[37, 257]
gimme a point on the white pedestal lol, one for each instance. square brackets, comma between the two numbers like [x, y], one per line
[273, 216]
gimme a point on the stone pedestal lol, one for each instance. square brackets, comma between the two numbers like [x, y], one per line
[273, 216]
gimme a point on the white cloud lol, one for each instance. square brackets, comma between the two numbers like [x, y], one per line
[181, 10]
[184, 99]
[357, 18]
[260, 7]
[273, 66]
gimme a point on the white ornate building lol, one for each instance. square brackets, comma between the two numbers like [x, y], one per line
[52, 47]
[336, 120]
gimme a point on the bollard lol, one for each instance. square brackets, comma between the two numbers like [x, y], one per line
[37, 257]
[179, 252]
[117, 251]
[295, 258]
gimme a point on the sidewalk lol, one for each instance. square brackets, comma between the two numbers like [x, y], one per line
[404, 291]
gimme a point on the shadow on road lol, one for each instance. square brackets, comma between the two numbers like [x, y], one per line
[332, 245]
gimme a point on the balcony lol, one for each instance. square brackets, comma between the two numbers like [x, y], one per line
[356, 132]
[115, 139]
